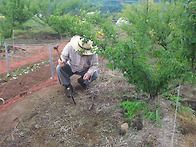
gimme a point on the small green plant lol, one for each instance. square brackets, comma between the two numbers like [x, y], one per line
[138, 107]
[21, 71]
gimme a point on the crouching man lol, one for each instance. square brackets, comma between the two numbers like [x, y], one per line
[77, 58]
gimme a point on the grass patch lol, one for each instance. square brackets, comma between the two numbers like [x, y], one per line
[33, 26]
[19, 32]
[34, 22]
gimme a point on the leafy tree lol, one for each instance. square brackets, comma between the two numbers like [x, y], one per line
[59, 8]
[63, 24]
[62, 16]
[16, 12]
[150, 57]
[188, 36]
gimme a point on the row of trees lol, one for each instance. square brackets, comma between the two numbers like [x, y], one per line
[16, 12]
[156, 51]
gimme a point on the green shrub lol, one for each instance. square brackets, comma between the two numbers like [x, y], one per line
[138, 107]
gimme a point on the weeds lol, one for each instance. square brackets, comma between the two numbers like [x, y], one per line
[174, 98]
[138, 107]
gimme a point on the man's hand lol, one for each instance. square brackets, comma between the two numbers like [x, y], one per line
[61, 63]
[86, 76]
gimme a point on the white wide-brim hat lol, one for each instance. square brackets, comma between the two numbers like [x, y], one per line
[86, 48]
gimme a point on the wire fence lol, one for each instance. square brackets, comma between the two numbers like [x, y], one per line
[24, 70]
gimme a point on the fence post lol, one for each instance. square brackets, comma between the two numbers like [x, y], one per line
[7, 61]
[51, 65]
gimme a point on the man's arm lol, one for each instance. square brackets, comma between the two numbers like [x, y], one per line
[64, 55]
[94, 64]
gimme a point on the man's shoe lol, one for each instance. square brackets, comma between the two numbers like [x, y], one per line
[68, 90]
[81, 82]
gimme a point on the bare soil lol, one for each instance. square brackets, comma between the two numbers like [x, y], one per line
[46, 118]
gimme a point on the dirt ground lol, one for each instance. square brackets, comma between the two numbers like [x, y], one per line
[46, 118]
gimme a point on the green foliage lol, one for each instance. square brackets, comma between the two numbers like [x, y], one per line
[174, 99]
[16, 13]
[150, 57]
[63, 7]
[5, 31]
[60, 8]
[188, 35]
[139, 107]
[96, 27]
[63, 24]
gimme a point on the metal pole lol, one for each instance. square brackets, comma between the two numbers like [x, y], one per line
[51, 65]
[6, 55]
